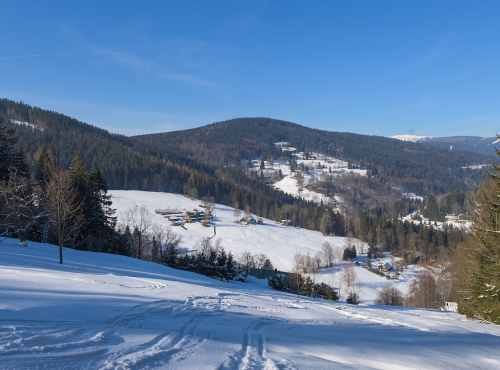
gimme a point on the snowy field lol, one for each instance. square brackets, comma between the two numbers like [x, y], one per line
[278, 242]
[99, 311]
[317, 167]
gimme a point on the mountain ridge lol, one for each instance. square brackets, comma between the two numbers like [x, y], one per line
[402, 163]
[145, 161]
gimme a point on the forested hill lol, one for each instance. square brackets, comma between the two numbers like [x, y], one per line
[474, 144]
[414, 167]
[128, 163]
[167, 161]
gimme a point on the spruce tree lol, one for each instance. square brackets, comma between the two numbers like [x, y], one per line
[97, 231]
[477, 261]
[20, 164]
[78, 173]
[44, 167]
[102, 220]
[8, 152]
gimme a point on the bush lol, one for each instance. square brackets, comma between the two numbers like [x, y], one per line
[353, 298]
[279, 282]
[349, 254]
[425, 292]
[389, 296]
[331, 295]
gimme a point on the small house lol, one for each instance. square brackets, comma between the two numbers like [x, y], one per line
[247, 220]
[464, 218]
[194, 215]
[384, 267]
[451, 217]
[451, 306]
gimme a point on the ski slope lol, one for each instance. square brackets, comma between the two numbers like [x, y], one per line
[99, 311]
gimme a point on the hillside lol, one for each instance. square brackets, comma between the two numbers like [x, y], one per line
[469, 144]
[165, 161]
[124, 162]
[277, 242]
[415, 168]
[99, 311]
[127, 163]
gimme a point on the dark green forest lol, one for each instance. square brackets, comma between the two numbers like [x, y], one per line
[205, 162]
[413, 167]
[129, 164]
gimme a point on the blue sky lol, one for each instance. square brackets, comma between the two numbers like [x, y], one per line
[369, 67]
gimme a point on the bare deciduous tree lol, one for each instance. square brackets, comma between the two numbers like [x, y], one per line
[247, 211]
[318, 258]
[327, 253]
[247, 261]
[139, 220]
[424, 292]
[170, 241]
[389, 296]
[349, 275]
[236, 213]
[60, 201]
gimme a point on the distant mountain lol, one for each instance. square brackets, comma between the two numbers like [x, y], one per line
[471, 144]
[412, 138]
[410, 166]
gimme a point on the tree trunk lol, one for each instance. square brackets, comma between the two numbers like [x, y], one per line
[60, 254]
[21, 236]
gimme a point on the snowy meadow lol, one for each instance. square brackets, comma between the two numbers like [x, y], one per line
[99, 311]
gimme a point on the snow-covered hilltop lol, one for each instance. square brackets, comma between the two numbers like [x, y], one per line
[412, 138]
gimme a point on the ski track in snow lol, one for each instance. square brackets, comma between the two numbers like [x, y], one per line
[99, 311]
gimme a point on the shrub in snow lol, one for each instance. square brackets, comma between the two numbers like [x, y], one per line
[353, 298]
[389, 296]
[279, 282]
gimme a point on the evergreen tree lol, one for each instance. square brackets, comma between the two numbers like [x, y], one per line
[98, 225]
[102, 219]
[330, 294]
[477, 262]
[230, 267]
[20, 164]
[8, 153]
[221, 264]
[78, 174]
[44, 167]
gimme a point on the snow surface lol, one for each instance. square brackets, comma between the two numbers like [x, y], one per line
[412, 138]
[99, 311]
[277, 242]
[326, 164]
[27, 124]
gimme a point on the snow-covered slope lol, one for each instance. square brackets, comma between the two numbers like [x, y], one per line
[278, 242]
[100, 311]
[412, 138]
